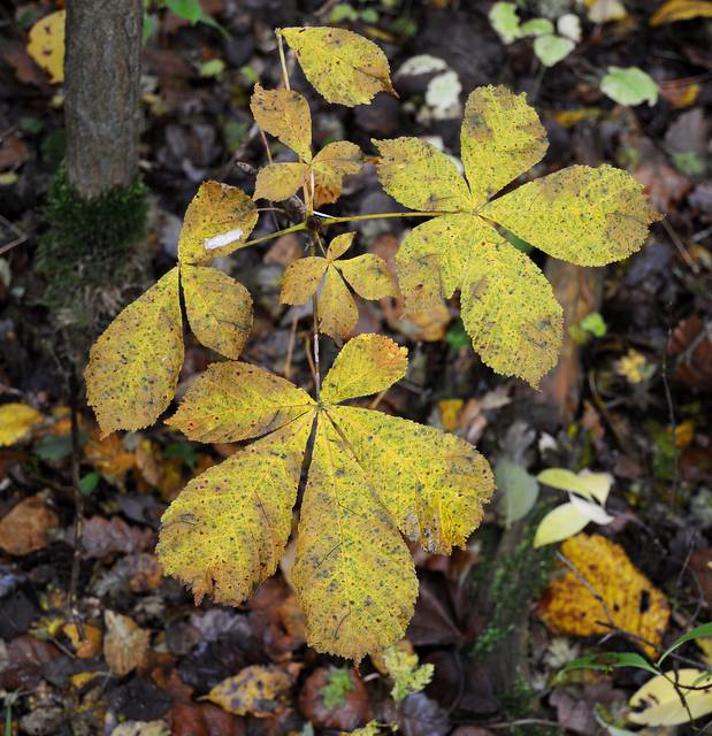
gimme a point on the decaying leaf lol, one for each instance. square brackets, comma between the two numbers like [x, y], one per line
[125, 643]
[371, 477]
[282, 114]
[218, 221]
[219, 309]
[624, 597]
[258, 690]
[134, 365]
[342, 66]
[16, 422]
[46, 44]
[367, 274]
[581, 214]
[674, 697]
[26, 527]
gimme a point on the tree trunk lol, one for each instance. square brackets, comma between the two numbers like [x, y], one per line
[103, 77]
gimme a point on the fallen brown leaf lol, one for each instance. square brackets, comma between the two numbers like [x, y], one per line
[125, 643]
[26, 528]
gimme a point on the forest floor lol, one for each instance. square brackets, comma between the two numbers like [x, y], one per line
[500, 619]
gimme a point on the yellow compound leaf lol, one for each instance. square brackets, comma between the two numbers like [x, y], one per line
[435, 256]
[583, 215]
[219, 309]
[354, 575]
[419, 176]
[336, 310]
[433, 484]
[501, 137]
[625, 596]
[336, 307]
[284, 114]
[658, 702]
[258, 690]
[368, 275]
[367, 364]
[226, 531]
[16, 422]
[301, 279]
[510, 312]
[234, 401]
[46, 44]
[218, 221]
[675, 10]
[280, 181]
[330, 166]
[134, 365]
[342, 66]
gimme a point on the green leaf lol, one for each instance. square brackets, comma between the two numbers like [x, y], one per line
[519, 490]
[696, 633]
[189, 10]
[611, 660]
[537, 27]
[630, 86]
[595, 324]
[408, 677]
[689, 163]
[57, 447]
[504, 19]
[89, 482]
[551, 49]
[212, 68]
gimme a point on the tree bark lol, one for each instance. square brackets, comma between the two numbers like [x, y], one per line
[103, 78]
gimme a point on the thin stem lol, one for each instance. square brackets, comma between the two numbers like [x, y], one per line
[315, 312]
[379, 215]
[283, 62]
[78, 506]
[293, 229]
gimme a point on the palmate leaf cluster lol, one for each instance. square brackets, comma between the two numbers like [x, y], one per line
[370, 479]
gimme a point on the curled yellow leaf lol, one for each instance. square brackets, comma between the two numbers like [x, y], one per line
[342, 66]
[134, 365]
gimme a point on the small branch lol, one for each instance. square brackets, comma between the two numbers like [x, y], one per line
[78, 505]
[293, 229]
[283, 61]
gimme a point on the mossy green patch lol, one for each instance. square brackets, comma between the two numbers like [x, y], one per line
[87, 255]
